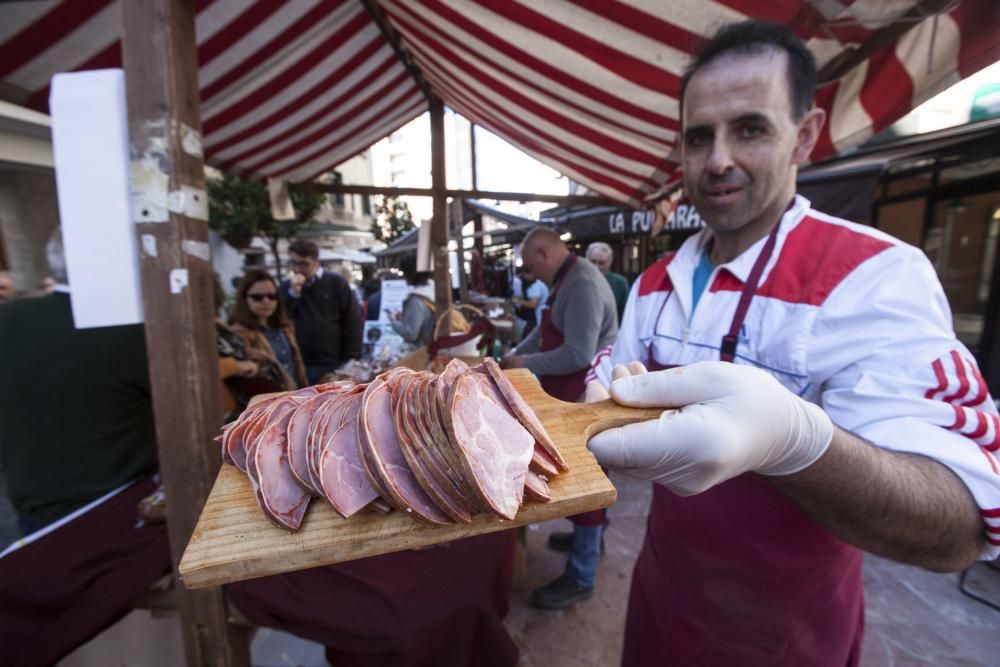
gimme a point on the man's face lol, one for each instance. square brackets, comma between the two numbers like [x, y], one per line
[305, 265]
[739, 144]
[601, 260]
[534, 262]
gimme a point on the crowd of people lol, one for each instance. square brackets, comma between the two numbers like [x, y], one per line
[806, 367]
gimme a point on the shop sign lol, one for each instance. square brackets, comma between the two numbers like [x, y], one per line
[684, 216]
[630, 221]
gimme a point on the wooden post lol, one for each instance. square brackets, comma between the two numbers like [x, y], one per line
[170, 209]
[439, 221]
[455, 211]
[477, 222]
[472, 155]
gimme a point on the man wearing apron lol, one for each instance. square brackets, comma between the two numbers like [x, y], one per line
[825, 405]
[579, 319]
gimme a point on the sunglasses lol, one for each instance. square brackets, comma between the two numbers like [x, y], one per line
[261, 297]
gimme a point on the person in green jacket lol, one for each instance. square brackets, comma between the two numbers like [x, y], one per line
[601, 255]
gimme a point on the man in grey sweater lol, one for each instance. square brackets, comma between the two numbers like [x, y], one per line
[580, 303]
[580, 318]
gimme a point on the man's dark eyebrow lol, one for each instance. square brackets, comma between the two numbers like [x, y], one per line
[753, 117]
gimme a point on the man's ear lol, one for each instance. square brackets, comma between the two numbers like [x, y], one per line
[808, 134]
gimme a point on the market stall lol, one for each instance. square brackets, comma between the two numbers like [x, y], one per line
[287, 91]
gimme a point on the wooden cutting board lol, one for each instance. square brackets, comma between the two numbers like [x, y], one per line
[234, 541]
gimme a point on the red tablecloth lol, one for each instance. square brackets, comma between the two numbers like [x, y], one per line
[438, 607]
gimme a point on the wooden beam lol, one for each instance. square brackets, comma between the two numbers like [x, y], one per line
[169, 206]
[389, 32]
[472, 155]
[851, 58]
[439, 219]
[455, 213]
[563, 200]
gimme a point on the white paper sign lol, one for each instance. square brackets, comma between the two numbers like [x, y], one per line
[91, 150]
[393, 295]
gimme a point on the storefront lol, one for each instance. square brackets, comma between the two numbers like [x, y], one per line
[627, 230]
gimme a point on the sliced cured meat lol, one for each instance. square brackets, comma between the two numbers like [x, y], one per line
[418, 455]
[384, 462]
[536, 488]
[298, 430]
[280, 495]
[318, 425]
[343, 479]
[407, 410]
[524, 413]
[278, 492]
[493, 447]
[431, 424]
[542, 463]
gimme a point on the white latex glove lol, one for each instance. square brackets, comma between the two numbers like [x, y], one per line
[596, 391]
[732, 419]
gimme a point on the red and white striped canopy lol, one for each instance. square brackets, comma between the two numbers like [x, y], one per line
[292, 88]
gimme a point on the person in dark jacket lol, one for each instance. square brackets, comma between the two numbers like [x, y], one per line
[325, 312]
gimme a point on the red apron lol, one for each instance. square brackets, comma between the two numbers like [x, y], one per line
[739, 575]
[564, 387]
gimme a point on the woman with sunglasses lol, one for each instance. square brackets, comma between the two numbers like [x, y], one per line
[259, 318]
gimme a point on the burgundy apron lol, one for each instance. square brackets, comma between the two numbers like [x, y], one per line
[564, 387]
[739, 575]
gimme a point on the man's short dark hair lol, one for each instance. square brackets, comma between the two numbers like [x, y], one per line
[755, 37]
[304, 248]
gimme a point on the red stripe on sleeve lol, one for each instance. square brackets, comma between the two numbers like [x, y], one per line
[981, 426]
[942, 380]
[959, 418]
[982, 391]
[994, 444]
[963, 378]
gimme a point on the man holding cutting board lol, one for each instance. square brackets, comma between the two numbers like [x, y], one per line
[824, 406]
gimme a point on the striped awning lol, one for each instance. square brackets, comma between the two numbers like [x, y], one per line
[290, 89]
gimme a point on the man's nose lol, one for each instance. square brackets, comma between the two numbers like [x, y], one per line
[720, 159]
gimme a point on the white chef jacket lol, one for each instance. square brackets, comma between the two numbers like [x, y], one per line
[844, 316]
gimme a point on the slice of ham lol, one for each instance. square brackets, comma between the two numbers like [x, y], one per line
[418, 455]
[524, 413]
[279, 494]
[298, 431]
[327, 428]
[493, 447]
[535, 488]
[431, 423]
[342, 477]
[384, 460]
[321, 425]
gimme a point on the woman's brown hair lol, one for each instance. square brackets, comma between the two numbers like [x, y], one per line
[241, 312]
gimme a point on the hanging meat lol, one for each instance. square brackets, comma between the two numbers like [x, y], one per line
[441, 448]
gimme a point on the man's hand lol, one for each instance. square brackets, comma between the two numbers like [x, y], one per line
[513, 361]
[297, 281]
[732, 419]
[246, 368]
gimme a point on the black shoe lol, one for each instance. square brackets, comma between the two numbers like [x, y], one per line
[560, 541]
[561, 593]
[563, 541]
